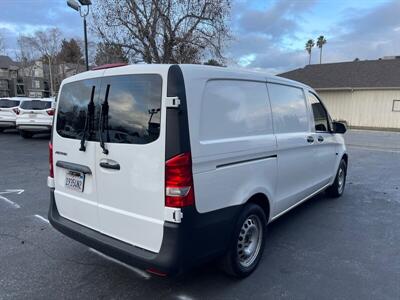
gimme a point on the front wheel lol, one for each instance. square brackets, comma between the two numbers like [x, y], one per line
[337, 188]
[247, 244]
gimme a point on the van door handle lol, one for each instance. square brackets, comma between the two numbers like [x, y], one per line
[320, 139]
[310, 139]
[110, 164]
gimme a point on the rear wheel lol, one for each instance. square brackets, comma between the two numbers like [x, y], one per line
[1, 130]
[247, 244]
[25, 134]
[337, 188]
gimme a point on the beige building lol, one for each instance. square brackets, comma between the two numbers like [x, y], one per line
[365, 94]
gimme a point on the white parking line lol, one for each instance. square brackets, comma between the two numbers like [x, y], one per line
[15, 205]
[42, 218]
[184, 297]
[141, 273]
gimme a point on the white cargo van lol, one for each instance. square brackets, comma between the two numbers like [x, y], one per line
[167, 166]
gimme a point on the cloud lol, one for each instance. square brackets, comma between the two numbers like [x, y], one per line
[26, 17]
[369, 34]
[272, 38]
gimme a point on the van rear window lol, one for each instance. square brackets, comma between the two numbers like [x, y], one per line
[5, 103]
[36, 105]
[134, 109]
[134, 104]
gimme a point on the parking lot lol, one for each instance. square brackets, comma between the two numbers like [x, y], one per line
[347, 248]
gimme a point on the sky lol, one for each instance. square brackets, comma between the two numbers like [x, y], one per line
[267, 35]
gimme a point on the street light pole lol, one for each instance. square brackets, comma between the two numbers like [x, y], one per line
[83, 13]
[86, 44]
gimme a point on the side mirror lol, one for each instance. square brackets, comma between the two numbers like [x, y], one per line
[339, 127]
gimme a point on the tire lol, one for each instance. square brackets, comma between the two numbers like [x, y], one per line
[247, 244]
[25, 134]
[1, 130]
[337, 188]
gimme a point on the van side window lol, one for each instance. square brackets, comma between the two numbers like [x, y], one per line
[72, 108]
[134, 112]
[319, 112]
[234, 108]
[289, 108]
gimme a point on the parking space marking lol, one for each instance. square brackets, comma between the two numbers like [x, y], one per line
[15, 205]
[42, 218]
[141, 273]
[8, 191]
[184, 297]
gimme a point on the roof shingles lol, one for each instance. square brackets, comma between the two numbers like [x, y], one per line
[383, 73]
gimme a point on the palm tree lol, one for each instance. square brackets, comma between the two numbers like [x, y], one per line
[309, 45]
[321, 41]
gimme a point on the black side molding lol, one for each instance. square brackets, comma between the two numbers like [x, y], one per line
[73, 167]
[246, 161]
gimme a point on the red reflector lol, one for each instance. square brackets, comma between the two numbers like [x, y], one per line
[51, 169]
[156, 272]
[179, 190]
[50, 112]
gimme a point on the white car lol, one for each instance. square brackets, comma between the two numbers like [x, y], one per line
[8, 112]
[167, 166]
[35, 116]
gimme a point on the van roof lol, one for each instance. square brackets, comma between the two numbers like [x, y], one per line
[204, 70]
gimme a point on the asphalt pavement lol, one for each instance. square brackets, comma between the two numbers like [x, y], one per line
[347, 248]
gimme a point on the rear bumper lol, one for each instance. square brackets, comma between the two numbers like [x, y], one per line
[7, 124]
[34, 128]
[199, 238]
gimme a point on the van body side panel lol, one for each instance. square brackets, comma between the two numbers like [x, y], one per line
[232, 141]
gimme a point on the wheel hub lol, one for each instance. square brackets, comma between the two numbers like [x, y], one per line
[249, 241]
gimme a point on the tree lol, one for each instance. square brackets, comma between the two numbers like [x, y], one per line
[213, 62]
[309, 45]
[109, 54]
[47, 43]
[70, 52]
[26, 54]
[164, 31]
[321, 41]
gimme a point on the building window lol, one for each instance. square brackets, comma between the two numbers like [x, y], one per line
[396, 105]
[3, 84]
[20, 89]
[36, 84]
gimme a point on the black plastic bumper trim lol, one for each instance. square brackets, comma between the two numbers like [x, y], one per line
[199, 238]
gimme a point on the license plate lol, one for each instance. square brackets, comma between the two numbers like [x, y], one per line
[75, 181]
[32, 116]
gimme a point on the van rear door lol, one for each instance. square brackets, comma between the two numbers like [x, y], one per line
[74, 174]
[130, 159]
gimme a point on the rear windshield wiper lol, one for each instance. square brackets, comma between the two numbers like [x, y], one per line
[104, 121]
[88, 119]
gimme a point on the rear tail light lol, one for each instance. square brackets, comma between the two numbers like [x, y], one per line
[179, 190]
[16, 110]
[50, 112]
[51, 169]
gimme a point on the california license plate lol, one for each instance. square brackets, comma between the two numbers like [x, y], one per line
[75, 181]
